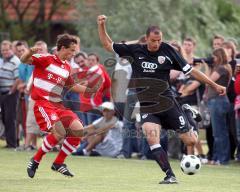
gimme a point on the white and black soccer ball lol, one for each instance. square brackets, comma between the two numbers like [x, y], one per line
[190, 164]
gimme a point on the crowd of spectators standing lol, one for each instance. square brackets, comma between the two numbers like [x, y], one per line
[115, 106]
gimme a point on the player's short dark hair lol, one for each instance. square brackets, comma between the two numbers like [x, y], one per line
[153, 29]
[65, 40]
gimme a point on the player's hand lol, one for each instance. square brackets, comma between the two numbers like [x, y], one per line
[220, 89]
[34, 50]
[101, 19]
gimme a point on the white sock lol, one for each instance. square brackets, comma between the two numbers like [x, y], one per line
[155, 146]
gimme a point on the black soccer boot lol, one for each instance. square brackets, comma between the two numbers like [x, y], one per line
[62, 168]
[32, 167]
[169, 180]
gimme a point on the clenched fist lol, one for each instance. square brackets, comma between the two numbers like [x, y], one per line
[101, 19]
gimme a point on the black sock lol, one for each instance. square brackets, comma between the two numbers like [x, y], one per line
[162, 159]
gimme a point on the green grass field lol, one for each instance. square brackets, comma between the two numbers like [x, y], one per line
[95, 174]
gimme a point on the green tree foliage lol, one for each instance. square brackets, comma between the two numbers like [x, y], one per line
[127, 20]
[26, 27]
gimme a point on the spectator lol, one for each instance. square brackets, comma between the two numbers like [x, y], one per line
[217, 41]
[230, 48]
[106, 143]
[237, 109]
[120, 79]
[96, 71]
[8, 94]
[219, 106]
[32, 128]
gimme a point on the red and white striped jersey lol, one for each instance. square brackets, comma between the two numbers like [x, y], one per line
[50, 75]
[94, 74]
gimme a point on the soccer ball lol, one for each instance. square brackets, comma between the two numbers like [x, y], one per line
[190, 164]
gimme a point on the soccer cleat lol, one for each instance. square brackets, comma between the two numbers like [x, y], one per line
[169, 180]
[62, 168]
[31, 168]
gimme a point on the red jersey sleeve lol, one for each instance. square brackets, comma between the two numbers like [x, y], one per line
[70, 82]
[40, 60]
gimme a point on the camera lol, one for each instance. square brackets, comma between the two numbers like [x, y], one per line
[208, 60]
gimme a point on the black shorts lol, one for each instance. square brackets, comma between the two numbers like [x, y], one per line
[174, 119]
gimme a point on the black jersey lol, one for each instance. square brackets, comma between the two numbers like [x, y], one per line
[152, 64]
[152, 68]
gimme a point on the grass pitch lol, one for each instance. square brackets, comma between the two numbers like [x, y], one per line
[98, 174]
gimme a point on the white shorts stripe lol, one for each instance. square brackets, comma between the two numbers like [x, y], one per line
[47, 86]
[58, 71]
[53, 99]
[45, 116]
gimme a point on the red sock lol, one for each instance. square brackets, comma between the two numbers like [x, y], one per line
[69, 145]
[48, 143]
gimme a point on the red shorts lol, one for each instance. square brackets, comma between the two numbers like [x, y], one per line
[47, 113]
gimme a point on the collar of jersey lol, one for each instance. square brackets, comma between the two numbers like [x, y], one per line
[59, 60]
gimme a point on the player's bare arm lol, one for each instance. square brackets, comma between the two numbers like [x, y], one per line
[104, 37]
[27, 56]
[84, 89]
[203, 78]
[89, 131]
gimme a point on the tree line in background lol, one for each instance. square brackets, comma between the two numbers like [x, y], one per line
[127, 20]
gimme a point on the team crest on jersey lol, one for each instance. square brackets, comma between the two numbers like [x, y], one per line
[161, 59]
[53, 117]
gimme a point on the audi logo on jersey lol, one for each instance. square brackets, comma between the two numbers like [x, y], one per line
[148, 65]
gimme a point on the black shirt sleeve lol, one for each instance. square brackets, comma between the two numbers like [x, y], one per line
[179, 63]
[123, 50]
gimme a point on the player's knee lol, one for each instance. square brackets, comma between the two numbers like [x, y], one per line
[59, 131]
[76, 129]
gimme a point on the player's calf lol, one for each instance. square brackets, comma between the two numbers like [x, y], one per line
[188, 138]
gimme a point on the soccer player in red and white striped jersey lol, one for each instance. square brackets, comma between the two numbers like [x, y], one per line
[50, 76]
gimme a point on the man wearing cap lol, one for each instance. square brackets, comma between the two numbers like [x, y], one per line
[106, 139]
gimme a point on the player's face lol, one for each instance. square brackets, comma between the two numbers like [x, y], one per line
[70, 52]
[154, 41]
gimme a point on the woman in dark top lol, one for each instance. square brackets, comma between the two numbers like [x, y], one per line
[219, 106]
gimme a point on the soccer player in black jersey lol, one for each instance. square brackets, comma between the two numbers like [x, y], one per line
[151, 64]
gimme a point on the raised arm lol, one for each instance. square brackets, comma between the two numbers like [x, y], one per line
[27, 56]
[103, 36]
[203, 78]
